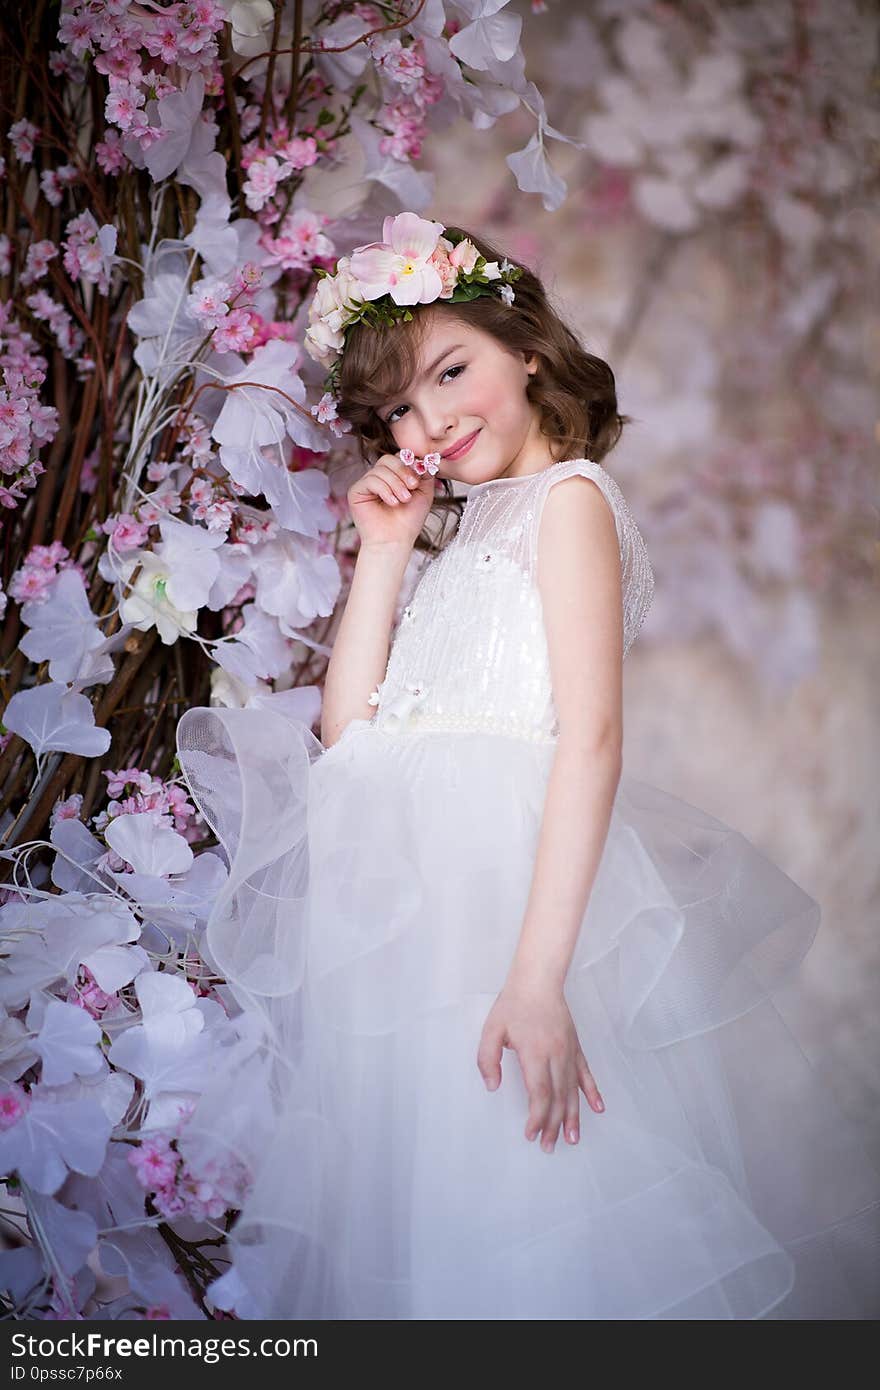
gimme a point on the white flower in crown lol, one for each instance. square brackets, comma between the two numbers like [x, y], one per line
[414, 263]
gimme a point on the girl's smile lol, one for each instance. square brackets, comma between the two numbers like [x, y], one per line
[462, 448]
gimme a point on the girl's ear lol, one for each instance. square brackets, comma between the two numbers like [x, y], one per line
[532, 362]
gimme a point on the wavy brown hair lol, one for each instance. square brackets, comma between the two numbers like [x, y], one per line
[573, 390]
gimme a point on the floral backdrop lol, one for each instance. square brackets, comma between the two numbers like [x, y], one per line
[698, 186]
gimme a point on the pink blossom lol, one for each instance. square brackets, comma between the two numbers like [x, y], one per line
[68, 336]
[75, 32]
[159, 504]
[448, 273]
[177, 1189]
[267, 330]
[122, 103]
[51, 188]
[39, 254]
[201, 491]
[127, 531]
[166, 803]
[196, 443]
[207, 302]
[401, 65]
[47, 556]
[109, 153]
[13, 414]
[88, 479]
[325, 409]
[89, 996]
[117, 781]
[250, 533]
[300, 152]
[22, 138]
[68, 809]
[154, 1162]
[208, 506]
[38, 571]
[236, 333]
[264, 176]
[63, 64]
[14, 1101]
[404, 119]
[247, 278]
[88, 250]
[218, 516]
[44, 422]
[300, 241]
[163, 42]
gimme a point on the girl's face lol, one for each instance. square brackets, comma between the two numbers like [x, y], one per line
[466, 382]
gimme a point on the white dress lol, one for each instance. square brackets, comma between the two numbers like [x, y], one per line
[376, 895]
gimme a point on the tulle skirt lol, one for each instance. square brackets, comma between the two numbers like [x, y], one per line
[375, 898]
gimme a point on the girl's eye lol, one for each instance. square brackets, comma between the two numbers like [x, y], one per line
[389, 419]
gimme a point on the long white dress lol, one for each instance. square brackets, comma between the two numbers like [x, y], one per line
[376, 894]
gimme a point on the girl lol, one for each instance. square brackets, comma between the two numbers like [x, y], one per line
[459, 869]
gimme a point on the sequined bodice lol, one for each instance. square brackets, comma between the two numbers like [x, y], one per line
[470, 650]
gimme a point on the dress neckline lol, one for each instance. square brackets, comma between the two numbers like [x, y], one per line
[525, 477]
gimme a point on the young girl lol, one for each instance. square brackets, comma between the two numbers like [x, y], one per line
[523, 1059]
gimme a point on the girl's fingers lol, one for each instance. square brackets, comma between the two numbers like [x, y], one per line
[395, 481]
[572, 1116]
[559, 1076]
[554, 1100]
[588, 1085]
[386, 492]
[540, 1095]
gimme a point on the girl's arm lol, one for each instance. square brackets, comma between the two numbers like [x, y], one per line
[579, 577]
[388, 504]
[360, 649]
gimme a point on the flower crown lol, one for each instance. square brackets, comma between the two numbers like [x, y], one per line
[414, 264]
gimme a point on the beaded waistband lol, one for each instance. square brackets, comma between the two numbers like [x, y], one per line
[418, 720]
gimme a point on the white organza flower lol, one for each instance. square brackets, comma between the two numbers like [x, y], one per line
[68, 1041]
[63, 628]
[53, 1137]
[52, 718]
[148, 847]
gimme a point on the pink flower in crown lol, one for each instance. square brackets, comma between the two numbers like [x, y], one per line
[445, 267]
[464, 255]
[401, 264]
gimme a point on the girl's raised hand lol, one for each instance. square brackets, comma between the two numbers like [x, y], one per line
[536, 1023]
[390, 502]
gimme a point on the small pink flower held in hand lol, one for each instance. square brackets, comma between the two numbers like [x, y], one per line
[429, 464]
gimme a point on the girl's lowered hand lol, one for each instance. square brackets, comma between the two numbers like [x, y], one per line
[535, 1021]
[390, 501]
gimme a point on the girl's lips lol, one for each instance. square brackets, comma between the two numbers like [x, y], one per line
[459, 453]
